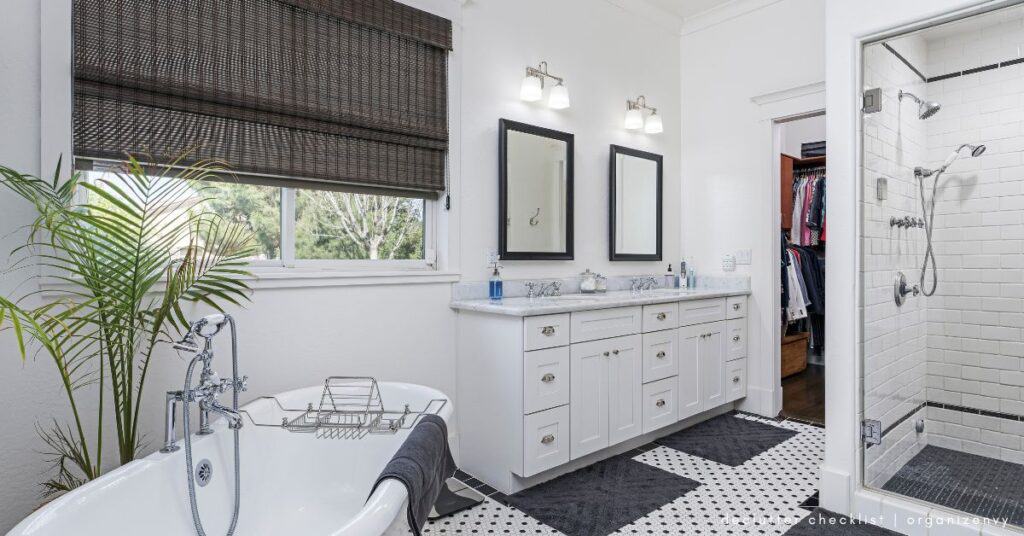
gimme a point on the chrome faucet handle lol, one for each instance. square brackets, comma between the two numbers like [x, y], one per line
[556, 288]
[531, 289]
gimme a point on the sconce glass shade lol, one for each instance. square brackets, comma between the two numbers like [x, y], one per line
[531, 90]
[653, 124]
[558, 99]
[634, 119]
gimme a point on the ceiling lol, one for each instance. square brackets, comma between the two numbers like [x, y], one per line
[688, 8]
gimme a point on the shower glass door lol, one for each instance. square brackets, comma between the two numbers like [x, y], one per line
[942, 265]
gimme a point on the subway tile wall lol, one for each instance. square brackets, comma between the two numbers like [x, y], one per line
[894, 338]
[975, 321]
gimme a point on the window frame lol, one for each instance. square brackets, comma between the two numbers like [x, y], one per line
[441, 240]
[287, 258]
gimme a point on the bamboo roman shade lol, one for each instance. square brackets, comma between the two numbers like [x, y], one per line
[331, 93]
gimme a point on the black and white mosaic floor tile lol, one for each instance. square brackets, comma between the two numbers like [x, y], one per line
[760, 495]
[974, 484]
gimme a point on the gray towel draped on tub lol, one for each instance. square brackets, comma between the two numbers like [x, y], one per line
[423, 463]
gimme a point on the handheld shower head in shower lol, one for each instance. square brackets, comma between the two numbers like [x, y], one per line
[925, 109]
[976, 150]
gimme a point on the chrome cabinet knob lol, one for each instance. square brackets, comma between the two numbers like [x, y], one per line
[548, 439]
[659, 403]
[547, 378]
[735, 379]
[606, 354]
[661, 354]
[735, 307]
[662, 316]
[548, 330]
[735, 338]
[616, 352]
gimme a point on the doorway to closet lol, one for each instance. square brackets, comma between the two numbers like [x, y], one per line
[802, 240]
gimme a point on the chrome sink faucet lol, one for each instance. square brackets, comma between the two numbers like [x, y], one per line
[536, 289]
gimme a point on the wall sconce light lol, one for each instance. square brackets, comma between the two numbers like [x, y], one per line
[532, 88]
[635, 116]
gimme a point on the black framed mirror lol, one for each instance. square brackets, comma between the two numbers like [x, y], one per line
[634, 209]
[535, 192]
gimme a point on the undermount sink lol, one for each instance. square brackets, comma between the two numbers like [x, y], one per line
[571, 297]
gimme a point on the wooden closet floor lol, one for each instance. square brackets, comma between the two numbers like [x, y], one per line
[803, 395]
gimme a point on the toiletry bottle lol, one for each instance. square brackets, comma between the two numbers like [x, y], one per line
[691, 281]
[495, 286]
[670, 278]
[684, 276]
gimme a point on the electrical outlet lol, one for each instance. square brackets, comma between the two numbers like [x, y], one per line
[743, 256]
[492, 257]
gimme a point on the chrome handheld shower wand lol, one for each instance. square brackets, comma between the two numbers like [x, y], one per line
[205, 395]
[928, 208]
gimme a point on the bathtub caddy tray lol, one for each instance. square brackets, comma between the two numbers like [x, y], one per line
[350, 408]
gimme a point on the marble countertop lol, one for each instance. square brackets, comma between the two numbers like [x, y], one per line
[585, 302]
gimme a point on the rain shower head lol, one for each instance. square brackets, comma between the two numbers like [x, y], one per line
[925, 109]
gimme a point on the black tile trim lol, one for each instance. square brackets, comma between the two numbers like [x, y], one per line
[904, 418]
[804, 421]
[983, 68]
[905, 61]
[976, 411]
[900, 421]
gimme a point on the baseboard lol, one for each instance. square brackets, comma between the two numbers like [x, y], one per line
[835, 490]
[762, 401]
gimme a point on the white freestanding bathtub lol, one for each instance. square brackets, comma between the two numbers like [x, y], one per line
[292, 483]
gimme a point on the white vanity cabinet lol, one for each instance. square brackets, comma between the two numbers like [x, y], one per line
[537, 393]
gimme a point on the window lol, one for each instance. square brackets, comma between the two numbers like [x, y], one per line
[319, 225]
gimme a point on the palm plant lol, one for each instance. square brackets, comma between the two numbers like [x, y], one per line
[123, 263]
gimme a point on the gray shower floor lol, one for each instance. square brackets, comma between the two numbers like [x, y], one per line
[974, 484]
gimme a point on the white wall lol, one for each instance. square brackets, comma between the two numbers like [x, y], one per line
[806, 130]
[728, 195]
[292, 337]
[606, 55]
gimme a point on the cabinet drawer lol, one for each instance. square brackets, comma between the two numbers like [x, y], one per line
[659, 404]
[736, 380]
[736, 307]
[546, 331]
[661, 355]
[545, 379]
[605, 323]
[545, 440]
[701, 311]
[736, 339]
[661, 316]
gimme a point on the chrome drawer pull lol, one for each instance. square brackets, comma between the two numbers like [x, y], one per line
[735, 379]
[662, 316]
[547, 378]
[661, 354]
[548, 439]
[548, 330]
[735, 338]
[659, 403]
[735, 307]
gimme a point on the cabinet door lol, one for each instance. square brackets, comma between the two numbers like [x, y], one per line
[711, 354]
[625, 389]
[588, 394]
[688, 351]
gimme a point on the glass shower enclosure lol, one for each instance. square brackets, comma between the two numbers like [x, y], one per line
[942, 265]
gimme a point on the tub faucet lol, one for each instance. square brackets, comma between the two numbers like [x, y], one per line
[210, 384]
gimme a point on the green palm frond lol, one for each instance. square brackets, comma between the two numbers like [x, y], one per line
[123, 262]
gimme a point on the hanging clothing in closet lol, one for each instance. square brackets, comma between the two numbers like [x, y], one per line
[803, 290]
[808, 218]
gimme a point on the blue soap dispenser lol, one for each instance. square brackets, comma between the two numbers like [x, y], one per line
[494, 287]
